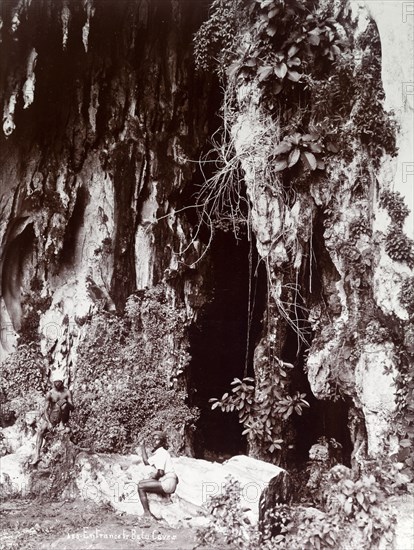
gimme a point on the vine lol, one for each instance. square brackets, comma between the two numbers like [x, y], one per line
[404, 426]
[398, 246]
[393, 203]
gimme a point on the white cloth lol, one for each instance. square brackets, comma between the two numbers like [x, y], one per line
[161, 460]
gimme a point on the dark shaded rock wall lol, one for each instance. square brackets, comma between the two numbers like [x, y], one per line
[92, 170]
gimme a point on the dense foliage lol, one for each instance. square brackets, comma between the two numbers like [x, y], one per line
[302, 59]
[355, 513]
[24, 372]
[23, 384]
[228, 521]
[127, 377]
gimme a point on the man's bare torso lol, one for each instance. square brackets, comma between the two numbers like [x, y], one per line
[55, 396]
[57, 400]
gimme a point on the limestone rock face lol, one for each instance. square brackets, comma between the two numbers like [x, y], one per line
[352, 351]
[93, 164]
[89, 215]
[374, 384]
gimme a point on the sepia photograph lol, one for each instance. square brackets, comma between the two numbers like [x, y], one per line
[207, 274]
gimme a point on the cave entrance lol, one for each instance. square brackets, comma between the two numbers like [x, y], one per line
[324, 418]
[220, 342]
[328, 417]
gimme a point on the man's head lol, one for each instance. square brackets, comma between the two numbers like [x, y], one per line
[58, 385]
[159, 439]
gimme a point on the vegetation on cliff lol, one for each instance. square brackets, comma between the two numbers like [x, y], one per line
[321, 132]
[305, 129]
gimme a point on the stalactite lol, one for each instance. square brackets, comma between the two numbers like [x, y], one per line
[17, 13]
[29, 85]
[8, 115]
[65, 18]
[90, 10]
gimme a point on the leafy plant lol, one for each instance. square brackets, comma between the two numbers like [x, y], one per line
[292, 403]
[275, 521]
[313, 532]
[398, 246]
[261, 406]
[214, 41]
[323, 35]
[272, 12]
[363, 501]
[356, 514]
[242, 401]
[228, 522]
[393, 203]
[282, 65]
[295, 147]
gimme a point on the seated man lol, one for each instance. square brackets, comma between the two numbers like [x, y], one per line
[58, 404]
[163, 480]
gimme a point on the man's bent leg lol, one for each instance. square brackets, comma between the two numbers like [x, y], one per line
[65, 412]
[148, 486]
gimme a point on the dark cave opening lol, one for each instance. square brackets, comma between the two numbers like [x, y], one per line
[73, 228]
[219, 343]
[16, 270]
[324, 418]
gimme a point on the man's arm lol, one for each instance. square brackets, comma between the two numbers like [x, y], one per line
[69, 400]
[159, 464]
[158, 474]
[144, 455]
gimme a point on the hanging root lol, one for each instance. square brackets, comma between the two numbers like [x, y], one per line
[221, 199]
